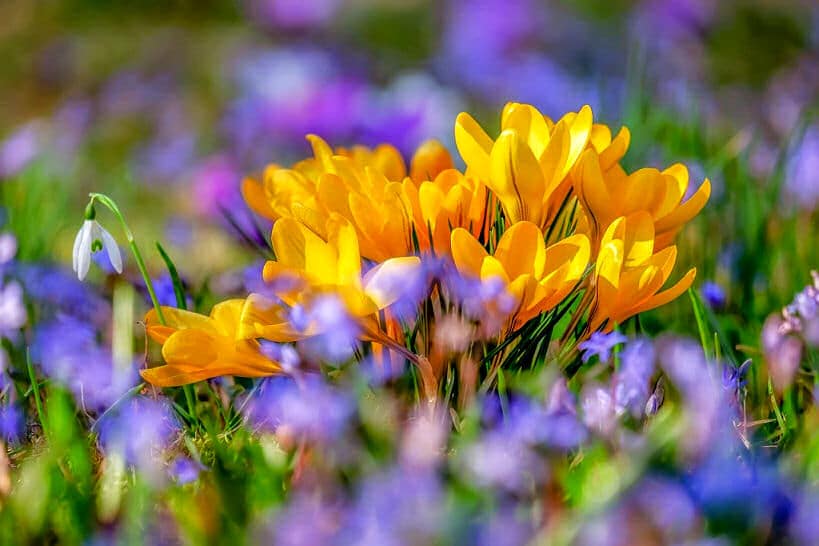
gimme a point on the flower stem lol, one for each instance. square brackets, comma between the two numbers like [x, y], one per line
[112, 206]
[35, 386]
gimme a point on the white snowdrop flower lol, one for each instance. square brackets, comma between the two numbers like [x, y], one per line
[91, 238]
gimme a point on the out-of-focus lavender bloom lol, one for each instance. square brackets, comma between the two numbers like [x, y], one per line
[783, 352]
[13, 315]
[337, 332]
[286, 355]
[802, 172]
[424, 439]
[713, 294]
[631, 382]
[288, 93]
[668, 506]
[293, 14]
[600, 345]
[599, 411]
[504, 528]
[499, 461]
[804, 524]
[308, 520]
[555, 425]
[485, 301]
[12, 422]
[185, 470]
[216, 186]
[8, 248]
[413, 108]
[507, 63]
[67, 351]
[397, 507]
[727, 485]
[58, 292]
[20, 148]
[141, 429]
[163, 286]
[310, 409]
[411, 288]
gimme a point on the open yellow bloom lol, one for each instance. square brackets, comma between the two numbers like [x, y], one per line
[528, 166]
[450, 200]
[629, 274]
[361, 184]
[536, 277]
[334, 266]
[197, 347]
[608, 192]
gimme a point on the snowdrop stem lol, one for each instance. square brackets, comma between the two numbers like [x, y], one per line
[129, 235]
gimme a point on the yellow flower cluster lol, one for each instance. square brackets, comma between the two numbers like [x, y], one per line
[545, 209]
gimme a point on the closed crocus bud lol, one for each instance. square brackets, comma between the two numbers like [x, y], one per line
[429, 160]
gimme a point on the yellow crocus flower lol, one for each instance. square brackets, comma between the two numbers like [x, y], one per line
[361, 184]
[450, 200]
[334, 265]
[197, 347]
[537, 277]
[527, 167]
[608, 192]
[629, 273]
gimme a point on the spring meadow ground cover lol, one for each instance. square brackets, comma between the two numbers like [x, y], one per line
[409, 273]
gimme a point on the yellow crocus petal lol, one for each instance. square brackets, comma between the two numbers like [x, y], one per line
[521, 250]
[322, 152]
[575, 251]
[600, 137]
[388, 160]
[343, 238]
[473, 143]
[528, 122]
[253, 193]
[554, 156]
[467, 252]
[616, 150]
[593, 190]
[385, 283]
[297, 247]
[492, 268]
[610, 263]
[516, 178]
[332, 192]
[579, 129]
[669, 294]
[262, 317]
[431, 200]
[175, 319]
[687, 210]
[430, 159]
[638, 238]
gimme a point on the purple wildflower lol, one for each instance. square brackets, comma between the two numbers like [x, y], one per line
[336, 331]
[12, 422]
[13, 315]
[185, 470]
[631, 381]
[67, 351]
[8, 247]
[310, 409]
[20, 148]
[141, 429]
[713, 294]
[600, 345]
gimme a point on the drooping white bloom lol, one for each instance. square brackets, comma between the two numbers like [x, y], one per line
[91, 238]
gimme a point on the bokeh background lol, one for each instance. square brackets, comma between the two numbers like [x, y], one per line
[165, 105]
